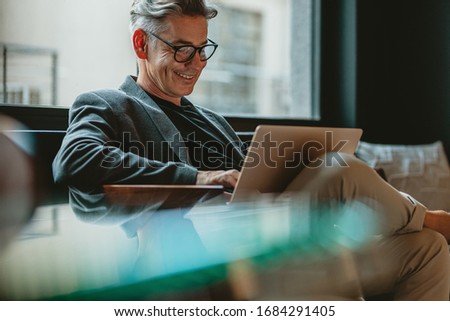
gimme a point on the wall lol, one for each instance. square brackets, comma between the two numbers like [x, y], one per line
[386, 69]
[404, 70]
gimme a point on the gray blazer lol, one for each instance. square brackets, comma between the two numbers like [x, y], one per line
[122, 136]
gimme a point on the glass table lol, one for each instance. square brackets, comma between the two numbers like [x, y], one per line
[105, 247]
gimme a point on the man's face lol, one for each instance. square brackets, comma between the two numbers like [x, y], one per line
[167, 78]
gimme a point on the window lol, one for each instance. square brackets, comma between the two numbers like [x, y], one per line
[265, 66]
[28, 75]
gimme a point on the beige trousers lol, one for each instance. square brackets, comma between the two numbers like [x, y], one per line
[408, 261]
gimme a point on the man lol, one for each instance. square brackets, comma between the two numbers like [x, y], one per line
[148, 132]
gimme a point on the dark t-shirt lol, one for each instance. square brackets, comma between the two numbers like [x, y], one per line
[207, 148]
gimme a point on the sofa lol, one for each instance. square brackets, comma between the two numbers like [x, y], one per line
[419, 170]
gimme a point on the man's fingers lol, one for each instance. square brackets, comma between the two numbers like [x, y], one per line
[231, 177]
[226, 178]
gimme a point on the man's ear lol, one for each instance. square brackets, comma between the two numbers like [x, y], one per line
[140, 43]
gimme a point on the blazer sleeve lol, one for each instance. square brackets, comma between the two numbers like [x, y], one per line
[88, 157]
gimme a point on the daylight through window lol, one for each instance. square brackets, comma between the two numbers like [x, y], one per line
[265, 64]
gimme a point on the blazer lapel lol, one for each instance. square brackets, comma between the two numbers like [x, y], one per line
[211, 120]
[161, 122]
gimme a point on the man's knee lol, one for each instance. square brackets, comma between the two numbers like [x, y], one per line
[331, 160]
[341, 166]
[345, 162]
[429, 248]
[411, 266]
[430, 242]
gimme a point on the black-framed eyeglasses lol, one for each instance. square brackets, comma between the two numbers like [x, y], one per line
[186, 53]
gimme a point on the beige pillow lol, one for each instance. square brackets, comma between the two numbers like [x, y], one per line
[419, 170]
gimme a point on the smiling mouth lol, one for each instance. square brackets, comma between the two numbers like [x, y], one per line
[185, 76]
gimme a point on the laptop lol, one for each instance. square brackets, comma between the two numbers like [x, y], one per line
[278, 153]
[275, 156]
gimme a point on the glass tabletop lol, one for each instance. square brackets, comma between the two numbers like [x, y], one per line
[93, 248]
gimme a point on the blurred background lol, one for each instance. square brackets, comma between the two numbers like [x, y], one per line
[382, 65]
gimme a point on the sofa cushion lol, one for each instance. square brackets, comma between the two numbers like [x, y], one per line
[419, 170]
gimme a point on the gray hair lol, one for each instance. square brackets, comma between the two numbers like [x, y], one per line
[149, 15]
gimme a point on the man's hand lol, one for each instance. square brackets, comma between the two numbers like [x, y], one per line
[225, 178]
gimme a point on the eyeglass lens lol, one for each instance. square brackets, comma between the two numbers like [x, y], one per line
[186, 53]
